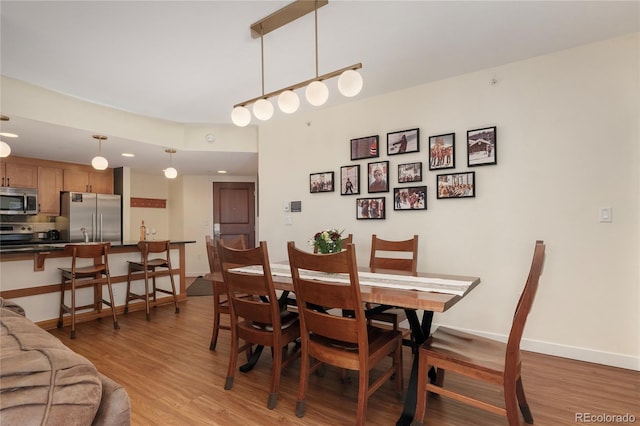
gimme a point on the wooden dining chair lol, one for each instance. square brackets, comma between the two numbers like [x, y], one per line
[220, 301]
[328, 336]
[258, 319]
[153, 255]
[80, 276]
[398, 256]
[482, 359]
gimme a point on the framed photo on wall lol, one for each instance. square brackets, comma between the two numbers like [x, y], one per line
[321, 182]
[456, 185]
[403, 142]
[410, 172]
[410, 198]
[442, 151]
[350, 180]
[366, 147]
[378, 176]
[370, 208]
[481, 147]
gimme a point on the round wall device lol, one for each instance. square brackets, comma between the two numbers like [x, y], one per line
[210, 138]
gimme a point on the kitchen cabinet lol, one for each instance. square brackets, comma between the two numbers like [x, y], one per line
[49, 187]
[18, 175]
[84, 180]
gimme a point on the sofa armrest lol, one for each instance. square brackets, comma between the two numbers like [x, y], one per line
[115, 406]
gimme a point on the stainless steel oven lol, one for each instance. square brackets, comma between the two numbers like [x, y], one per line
[18, 200]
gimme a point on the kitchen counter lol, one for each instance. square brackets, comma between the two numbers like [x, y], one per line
[48, 247]
[30, 275]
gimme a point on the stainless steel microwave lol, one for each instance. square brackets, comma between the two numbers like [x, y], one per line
[18, 200]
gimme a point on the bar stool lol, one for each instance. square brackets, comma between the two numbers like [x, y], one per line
[148, 266]
[77, 277]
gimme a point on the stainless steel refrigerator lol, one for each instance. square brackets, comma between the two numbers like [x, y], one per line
[87, 216]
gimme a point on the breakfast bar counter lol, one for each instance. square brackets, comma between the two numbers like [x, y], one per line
[29, 275]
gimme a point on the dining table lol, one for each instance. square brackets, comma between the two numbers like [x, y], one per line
[414, 292]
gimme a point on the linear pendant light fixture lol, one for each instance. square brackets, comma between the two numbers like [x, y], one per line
[316, 92]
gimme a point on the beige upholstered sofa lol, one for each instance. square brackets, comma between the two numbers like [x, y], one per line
[43, 382]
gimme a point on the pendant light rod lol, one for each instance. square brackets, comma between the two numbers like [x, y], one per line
[262, 59]
[315, 13]
[302, 84]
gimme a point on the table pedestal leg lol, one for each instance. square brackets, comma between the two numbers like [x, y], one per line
[420, 333]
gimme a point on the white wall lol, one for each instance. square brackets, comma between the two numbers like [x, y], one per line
[567, 143]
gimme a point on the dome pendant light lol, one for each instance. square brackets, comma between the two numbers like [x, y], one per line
[170, 172]
[317, 92]
[99, 162]
[5, 149]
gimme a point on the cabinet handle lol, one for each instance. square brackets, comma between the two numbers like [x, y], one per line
[8, 181]
[2, 181]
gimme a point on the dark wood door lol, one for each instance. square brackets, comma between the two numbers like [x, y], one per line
[234, 210]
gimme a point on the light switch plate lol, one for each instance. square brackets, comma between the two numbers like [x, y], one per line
[606, 215]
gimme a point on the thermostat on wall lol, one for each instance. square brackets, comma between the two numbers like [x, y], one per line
[296, 206]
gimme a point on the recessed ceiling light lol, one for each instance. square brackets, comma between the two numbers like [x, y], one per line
[222, 171]
[126, 154]
[8, 135]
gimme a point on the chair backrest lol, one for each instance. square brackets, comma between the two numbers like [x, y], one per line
[262, 304]
[347, 240]
[523, 308]
[97, 251]
[320, 303]
[239, 242]
[405, 252]
[148, 247]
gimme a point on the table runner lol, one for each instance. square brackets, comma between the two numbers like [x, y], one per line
[437, 285]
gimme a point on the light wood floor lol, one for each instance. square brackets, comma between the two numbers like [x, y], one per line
[174, 379]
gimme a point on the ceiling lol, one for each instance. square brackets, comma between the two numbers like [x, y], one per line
[191, 61]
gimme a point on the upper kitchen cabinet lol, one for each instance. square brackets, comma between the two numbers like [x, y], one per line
[88, 180]
[18, 175]
[49, 187]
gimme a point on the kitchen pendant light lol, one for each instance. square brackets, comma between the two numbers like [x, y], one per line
[99, 162]
[5, 149]
[170, 172]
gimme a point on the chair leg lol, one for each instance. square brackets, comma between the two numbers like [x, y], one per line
[510, 402]
[73, 307]
[304, 381]
[363, 390]
[112, 304]
[276, 371]
[216, 320]
[173, 288]
[421, 393]
[522, 402]
[233, 360]
[60, 322]
[146, 294]
[126, 300]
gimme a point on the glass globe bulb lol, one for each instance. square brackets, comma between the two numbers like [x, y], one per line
[288, 101]
[240, 116]
[317, 93]
[350, 83]
[5, 149]
[263, 109]
[99, 162]
[170, 173]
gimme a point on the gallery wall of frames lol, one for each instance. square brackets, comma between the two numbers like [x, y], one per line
[367, 177]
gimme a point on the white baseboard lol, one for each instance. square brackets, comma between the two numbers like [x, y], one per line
[565, 351]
